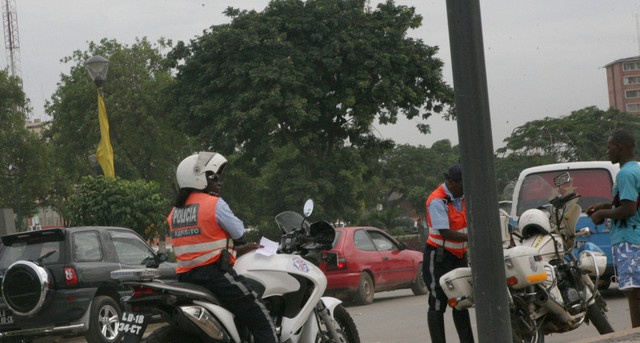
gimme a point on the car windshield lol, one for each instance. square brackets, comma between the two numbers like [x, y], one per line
[289, 221]
[594, 185]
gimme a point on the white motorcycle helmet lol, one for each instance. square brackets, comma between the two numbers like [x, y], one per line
[191, 172]
[534, 221]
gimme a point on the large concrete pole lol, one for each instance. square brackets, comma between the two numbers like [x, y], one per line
[474, 131]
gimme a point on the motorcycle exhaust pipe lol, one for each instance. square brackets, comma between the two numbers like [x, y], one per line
[206, 322]
[541, 298]
[563, 315]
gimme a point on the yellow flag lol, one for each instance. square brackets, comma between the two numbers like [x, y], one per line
[105, 151]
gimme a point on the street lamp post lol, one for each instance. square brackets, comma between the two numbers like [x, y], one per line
[97, 67]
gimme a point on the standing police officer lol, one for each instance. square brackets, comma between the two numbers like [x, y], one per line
[445, 251]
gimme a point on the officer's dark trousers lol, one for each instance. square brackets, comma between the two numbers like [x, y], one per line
[432, 271]
[237, 296]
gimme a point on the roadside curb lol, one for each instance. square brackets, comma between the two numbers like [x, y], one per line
[624, 336]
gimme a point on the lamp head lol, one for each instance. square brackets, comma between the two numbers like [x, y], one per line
[97, 67]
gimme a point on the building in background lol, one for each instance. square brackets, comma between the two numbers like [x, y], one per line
[623, 82]
[37, 126]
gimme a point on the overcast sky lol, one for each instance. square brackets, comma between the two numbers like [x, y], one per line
[543, 57]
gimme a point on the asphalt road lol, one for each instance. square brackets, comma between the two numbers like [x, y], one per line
[401, 317]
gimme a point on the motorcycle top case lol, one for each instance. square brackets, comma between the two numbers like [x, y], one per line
[523, 267]
[457, 285]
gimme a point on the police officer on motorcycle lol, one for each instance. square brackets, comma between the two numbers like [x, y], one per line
[203, 229]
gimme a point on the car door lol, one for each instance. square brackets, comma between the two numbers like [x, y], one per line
[92, 263]
[367, 256]
[398, 267]
[132, 252]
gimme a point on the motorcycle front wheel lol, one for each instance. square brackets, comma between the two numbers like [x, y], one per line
[599, 319]
[346, 326]
[524, 329]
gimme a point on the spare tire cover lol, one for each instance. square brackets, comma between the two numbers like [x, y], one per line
[25, 287]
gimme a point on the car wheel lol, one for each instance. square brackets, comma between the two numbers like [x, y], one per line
[103, 321]
[419, 287]
[366, 290]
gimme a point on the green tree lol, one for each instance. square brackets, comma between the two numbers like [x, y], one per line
[294, 89]
[411, 173]
[580, 136]
[146, 146]
[24, 157]
[101, 201]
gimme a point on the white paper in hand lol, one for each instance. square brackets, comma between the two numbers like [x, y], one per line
[269, 247]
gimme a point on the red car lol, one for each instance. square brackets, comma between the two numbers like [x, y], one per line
[369, 261]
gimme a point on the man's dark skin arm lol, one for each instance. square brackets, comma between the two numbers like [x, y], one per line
[626, 209]
[243, 248]
[452, 235]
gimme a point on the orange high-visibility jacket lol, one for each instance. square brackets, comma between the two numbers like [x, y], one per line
[197, 237]
[457, 222]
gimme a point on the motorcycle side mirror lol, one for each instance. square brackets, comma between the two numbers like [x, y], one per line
[308, 208]
[562, 179]
[157, 260]
[163, 257]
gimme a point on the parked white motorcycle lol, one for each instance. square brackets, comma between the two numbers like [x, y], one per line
[290, 282]
[550, 288]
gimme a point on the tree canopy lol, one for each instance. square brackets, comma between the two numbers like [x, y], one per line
[146, 145]
[295, 89]
[24, 157]
[137, 205]
[580, 136]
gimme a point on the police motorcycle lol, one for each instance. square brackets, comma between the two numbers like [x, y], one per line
[290, 283]
[550, 282]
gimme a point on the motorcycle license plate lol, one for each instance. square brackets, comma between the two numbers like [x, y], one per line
[6, 317]
[132, 326]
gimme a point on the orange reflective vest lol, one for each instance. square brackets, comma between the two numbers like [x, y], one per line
[197, 237]
[457, 222]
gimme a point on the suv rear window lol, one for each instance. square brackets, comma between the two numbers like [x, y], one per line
[32, 247]
[594, 185]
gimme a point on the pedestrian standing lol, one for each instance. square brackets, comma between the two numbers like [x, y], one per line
[625, 219]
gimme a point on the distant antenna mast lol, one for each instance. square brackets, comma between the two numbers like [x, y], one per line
[638, 32]
[11, 40]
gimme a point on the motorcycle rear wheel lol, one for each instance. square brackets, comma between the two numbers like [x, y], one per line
[170, 334]
[596, 316]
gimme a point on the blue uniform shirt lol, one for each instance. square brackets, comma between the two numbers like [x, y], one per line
[228, 221]
[438, 210]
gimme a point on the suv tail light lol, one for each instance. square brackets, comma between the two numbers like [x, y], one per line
[70, 276]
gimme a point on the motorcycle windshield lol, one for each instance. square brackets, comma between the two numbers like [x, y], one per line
[289, 221]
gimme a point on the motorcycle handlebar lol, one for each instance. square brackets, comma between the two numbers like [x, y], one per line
[562, 200]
